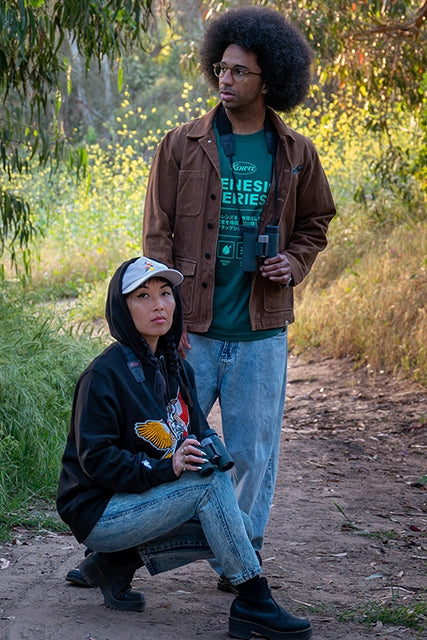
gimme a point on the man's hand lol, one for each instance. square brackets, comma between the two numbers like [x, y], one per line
[277, 269]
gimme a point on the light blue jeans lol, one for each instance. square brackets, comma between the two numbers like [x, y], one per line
[249, 379]
[178, 522]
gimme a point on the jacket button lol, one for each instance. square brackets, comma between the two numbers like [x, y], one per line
[204, 285]
[210, 225]
[213, 196]
[207, 255]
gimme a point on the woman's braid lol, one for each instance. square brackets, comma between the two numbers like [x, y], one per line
[174, 365]
[147, 354]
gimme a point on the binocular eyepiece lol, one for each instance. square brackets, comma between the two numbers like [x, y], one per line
[217, 456]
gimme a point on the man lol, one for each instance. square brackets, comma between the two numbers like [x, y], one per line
[215, 185]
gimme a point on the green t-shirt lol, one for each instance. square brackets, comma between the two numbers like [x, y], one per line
[252, 170]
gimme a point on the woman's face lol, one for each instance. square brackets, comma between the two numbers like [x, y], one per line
[152, 306]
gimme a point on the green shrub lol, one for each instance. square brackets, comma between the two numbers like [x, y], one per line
[368, 301]
[40, 361]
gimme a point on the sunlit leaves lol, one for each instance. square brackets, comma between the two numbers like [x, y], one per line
[31, 64]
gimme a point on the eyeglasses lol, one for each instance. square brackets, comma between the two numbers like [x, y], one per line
[238, 73]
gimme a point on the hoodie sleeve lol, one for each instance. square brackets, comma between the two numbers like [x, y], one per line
[101, 422]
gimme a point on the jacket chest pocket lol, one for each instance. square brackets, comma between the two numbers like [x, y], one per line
[191, 196]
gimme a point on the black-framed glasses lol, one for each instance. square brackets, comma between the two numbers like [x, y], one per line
[238, 73]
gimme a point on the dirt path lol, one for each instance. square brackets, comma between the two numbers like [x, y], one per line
[348, 527]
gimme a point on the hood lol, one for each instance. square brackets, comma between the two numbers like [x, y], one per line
[120, 323]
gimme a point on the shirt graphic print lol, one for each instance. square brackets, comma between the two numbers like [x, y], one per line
[245, 192]
[161, 436]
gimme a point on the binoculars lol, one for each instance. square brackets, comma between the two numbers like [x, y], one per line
[257, 247]
[217, 456]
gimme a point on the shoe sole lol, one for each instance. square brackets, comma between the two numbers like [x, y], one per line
[244, 630]
[94, 576]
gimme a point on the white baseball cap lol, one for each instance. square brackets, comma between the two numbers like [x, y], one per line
[145, 268]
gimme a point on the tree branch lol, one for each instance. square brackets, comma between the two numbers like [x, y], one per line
[410, 28]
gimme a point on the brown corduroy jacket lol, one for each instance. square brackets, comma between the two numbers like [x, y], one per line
[182, 209]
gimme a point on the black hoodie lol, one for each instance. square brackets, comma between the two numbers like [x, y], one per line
[122, 433]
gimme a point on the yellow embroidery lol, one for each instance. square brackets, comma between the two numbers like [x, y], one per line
[156, 433]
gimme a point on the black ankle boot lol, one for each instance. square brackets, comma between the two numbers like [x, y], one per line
[255, 611]
[224, 583]
[75, 577]
[113, 574]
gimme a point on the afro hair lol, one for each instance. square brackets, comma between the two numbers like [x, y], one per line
[283, 53]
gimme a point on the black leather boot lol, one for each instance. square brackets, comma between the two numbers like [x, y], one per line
[224, 583]
[113, 574]
[75, 577]
[255, 611]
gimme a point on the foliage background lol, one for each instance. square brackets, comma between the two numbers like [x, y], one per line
[76, 162]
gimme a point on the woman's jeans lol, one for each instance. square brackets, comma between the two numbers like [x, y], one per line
[178, 522]
[249, 379]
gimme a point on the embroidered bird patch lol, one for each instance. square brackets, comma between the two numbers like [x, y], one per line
[157, 434]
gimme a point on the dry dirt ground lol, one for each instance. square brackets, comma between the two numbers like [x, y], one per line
[348, 528]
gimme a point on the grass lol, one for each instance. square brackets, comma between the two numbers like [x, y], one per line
[29, 517]
[40, 361]
[366, 294]
[364, 298]
[370, 306]
[380, 535]
[412, 615]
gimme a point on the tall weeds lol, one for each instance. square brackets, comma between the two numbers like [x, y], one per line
[374, 309]
[39, 365]
[365, 297]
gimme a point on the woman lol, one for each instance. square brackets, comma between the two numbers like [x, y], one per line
[130, 487]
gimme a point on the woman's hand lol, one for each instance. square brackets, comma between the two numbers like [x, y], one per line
[188, 457]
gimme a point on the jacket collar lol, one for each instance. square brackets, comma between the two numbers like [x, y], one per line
[203, 126]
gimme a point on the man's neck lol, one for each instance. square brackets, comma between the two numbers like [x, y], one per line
[244, 124]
